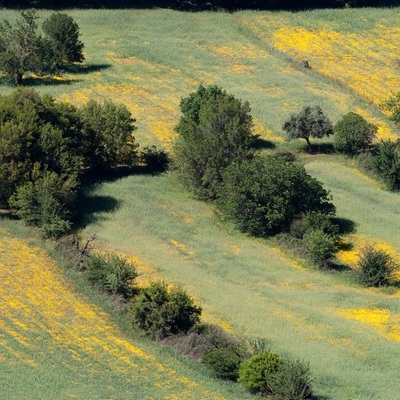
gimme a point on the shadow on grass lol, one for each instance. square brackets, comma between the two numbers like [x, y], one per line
[346, 226]
[92, 205]
[262, 144]
[47, 81]
[85, 68]
[339, 267]
[321, 148]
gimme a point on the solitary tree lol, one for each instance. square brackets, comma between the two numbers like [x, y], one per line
[63, 34]
[353, 134]
[215, 130]
[309, 122]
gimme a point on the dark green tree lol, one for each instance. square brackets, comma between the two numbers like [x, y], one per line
[353, 134]
[108, 138]
[309, 122]
[20, 48]
[386, 163]
[63, 34]
[265, 195]
[215, 130]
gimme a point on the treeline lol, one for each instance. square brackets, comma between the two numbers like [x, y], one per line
[197, 4]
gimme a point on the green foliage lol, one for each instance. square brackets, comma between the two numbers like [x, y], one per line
[265, 195]
[353, 134]
[63, 34]
[215, 130]
[256, 372]
[292, 381]
[392, 104]
[320, 246]
[386, 163]
[224, 363]
[309, 122]
[312, 221]
[107, 134]
[377, 268]
[160, 312]
[113, 273]
[156, 160]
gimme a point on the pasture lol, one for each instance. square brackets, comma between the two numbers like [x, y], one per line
[149, 60]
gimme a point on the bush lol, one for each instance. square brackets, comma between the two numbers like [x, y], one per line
[205, 338]
[386, 163]
[224, 363]
[256, 372]
[292, 381]
[377, 268]
[160, 312]
[320, 246]
[156, 160]
[113, 273]
[314, 220]
[265, 195]
[353, 134]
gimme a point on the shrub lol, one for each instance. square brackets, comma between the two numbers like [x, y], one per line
[204, 338]
[224, 363]
[320, 246]
[292, 381]
[160, 312]
[113, 273]
[386, 163]
[265, 195]
[312, 221]
[377, 268]
[156, 160]
[256, 372]
[353, 134]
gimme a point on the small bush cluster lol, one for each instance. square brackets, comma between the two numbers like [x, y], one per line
[377, 268]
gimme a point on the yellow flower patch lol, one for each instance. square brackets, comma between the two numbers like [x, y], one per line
[380, 320]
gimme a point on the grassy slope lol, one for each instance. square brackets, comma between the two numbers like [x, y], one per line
[156, 57]
[56, 344]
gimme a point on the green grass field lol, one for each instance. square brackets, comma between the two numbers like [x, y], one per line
[149, 59]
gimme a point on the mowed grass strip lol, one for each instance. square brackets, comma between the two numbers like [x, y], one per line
[150, 59]
[55, 344]
[251, 286]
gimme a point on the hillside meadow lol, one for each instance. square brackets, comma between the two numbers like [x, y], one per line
[149, 60]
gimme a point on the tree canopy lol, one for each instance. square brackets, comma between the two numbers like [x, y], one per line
[215, 130]
[309, 122]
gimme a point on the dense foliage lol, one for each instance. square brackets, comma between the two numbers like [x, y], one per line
[23, 50]
[266, 195]
[386, 163]
[224, 363]
[353, 134]
[161, 312]
[309, 122]
[43, 146]
[215, 130]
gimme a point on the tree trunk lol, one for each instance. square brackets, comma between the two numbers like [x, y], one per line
[18, 79]
[309, 144]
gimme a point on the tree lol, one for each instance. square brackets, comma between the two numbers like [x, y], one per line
[107, 131]
[309, 122]
[353, 134]
[215, 130]
[265, 195]
[63, 34]
[20, 48]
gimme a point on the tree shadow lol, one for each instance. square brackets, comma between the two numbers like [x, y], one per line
[46, 81]
[338, 267]
[85, 68]
[345, 225]
[322, 148]
[262, 144]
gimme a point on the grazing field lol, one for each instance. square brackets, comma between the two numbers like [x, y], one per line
[149, 59]
[351, 335]
[56, 344]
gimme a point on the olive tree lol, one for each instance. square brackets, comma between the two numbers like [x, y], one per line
[309, 122]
